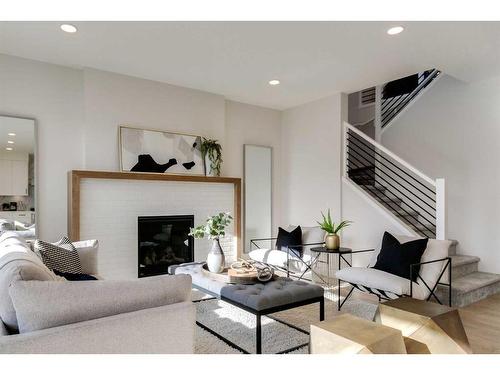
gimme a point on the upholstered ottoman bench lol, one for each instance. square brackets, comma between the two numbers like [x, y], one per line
[259, 299]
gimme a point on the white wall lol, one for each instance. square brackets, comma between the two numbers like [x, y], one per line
[53, 96]
[248, 124]
[311, 166]
[78, 113]
[357, 114]
[114, 99]
[453, 131]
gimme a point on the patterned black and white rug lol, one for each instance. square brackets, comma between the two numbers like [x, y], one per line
[238, 326]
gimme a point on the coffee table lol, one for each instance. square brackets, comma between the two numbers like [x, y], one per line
[259, 299]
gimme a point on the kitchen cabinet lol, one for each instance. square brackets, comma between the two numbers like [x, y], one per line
[14, 177]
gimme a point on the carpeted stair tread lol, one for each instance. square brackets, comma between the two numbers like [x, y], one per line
[473, 281]
[461, 260]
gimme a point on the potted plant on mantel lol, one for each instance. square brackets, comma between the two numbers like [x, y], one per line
[332, 239]
[212, 153]
[214, 228]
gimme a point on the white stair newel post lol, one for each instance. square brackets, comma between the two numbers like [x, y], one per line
[440, 209]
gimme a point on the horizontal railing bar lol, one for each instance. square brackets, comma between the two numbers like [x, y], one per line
[395, 104]
[392, 155]
[416, 188]
[394, 111]
[383, 157]
[388, 102]
[393, 205]
[399, 191]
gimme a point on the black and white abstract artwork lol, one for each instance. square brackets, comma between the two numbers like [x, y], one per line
[160, 152]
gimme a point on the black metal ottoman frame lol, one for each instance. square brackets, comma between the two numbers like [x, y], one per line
[258, 315]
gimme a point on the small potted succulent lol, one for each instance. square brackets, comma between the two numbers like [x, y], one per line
[332, 239]
[212, 153]
[214, 228]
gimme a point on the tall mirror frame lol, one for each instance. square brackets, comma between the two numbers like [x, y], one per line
[258, 192]
[19, 205]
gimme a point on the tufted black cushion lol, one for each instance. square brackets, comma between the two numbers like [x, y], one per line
[276, 293]
[258, 296]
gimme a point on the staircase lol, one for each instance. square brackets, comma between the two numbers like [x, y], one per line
[417, 202]
[468, 284]
[397, 95]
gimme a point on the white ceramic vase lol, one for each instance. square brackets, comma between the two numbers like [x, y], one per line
[216, 260]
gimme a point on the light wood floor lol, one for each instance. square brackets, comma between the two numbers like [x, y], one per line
[481, 321]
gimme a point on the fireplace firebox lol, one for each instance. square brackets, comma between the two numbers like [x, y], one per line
[163, 241]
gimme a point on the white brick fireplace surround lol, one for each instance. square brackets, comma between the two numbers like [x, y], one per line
[105, 206]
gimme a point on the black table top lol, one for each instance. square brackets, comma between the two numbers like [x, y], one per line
[323, 249]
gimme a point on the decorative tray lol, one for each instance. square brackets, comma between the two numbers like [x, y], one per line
[230, 276]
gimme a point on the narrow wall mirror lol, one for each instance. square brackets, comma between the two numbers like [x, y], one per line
[17, 176]
[258, 193]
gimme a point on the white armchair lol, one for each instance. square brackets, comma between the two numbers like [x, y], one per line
[296, 260]
[435, 269]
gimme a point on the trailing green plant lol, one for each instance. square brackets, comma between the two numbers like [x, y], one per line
[214, 227]
[211, 149]
[329, 226]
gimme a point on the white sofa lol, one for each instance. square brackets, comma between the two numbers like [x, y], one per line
[436, 268]
[42, 313]
[266, 251]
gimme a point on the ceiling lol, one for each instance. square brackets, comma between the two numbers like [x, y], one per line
[237, 59]
[24, 130]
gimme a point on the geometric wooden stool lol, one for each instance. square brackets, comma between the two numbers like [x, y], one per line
[427, 327]
[352, 335]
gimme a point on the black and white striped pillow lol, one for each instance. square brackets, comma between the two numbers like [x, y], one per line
[61, 256]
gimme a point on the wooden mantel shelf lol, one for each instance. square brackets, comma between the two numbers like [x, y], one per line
[75, 177]
[151, 176]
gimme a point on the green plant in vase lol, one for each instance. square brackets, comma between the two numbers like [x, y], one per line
[332, 239]
[214, 228]
[212, 154]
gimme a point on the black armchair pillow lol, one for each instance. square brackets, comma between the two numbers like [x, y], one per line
[396, 257]
[287, 239]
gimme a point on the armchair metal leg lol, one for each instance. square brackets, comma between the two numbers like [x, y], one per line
[339, 304]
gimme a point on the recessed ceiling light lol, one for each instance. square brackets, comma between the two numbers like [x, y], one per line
[11, 134]
[68, 28]
[395, 30]
[8, 148]
[10, 142]
[274, 82]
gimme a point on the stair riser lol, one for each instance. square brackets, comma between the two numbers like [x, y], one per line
[461, 300]
[453, 249]
[462, 270]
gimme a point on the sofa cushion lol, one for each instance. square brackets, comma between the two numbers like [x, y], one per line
[41, 305]
[380, 282]
[17, 262]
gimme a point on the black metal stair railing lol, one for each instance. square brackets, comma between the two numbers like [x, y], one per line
[391, 184]
[392, 106]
